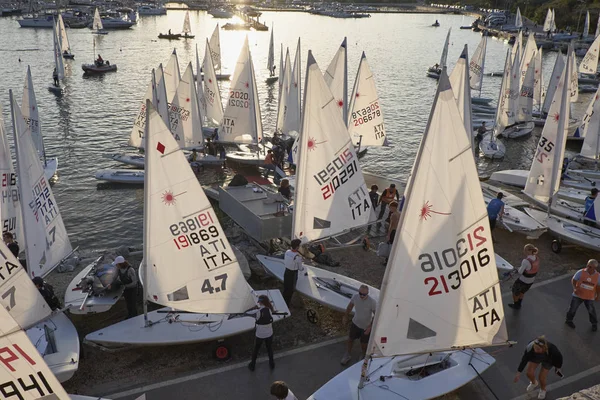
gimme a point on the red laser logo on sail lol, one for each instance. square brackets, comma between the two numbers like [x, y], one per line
[427, 210]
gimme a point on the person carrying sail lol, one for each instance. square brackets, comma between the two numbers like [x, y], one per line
[527, 272]
[386, 198]
[539, 351]
[365, 308]
[263, 312]
[293, 264]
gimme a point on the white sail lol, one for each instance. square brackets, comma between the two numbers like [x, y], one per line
[574, 77]
[336, 77]
[187, 26]
[97, 24]
[444, 56]
[590, 128]
[504, 113]
[331, 195]
[136, 138]
[10, 207]
[515, 80]
[459, 80]
[280, 83]
[365, 116]
[440, 290]
[548, 21]
[477, 64]
[29, 110]
[518, 19]
[271, 57]
[215, 48]
[241, 122]
[285, 81]
[598, 27]
[559, 65]
[539, 93]
[517, 49]
[212, 95]
[186, 125]
[159, 95]
[190, 263]
[46, 239]
[64, 39]
[293, 113]
[586, 25]
[544, 175]
[553, 23]
[528, 55]
[58, 59]
[200, 87]
[525, 100]
[589, 64]
[172, 76]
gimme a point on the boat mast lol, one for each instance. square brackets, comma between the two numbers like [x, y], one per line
[345, 86]
[493, 137]
[482, 64]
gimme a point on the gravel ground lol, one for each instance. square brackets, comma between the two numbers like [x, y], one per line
[136, 367]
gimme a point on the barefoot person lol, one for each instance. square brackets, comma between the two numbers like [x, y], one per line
[527, 272]
[539, 351]
[360, 328]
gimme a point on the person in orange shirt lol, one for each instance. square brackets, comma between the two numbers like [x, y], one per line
[585, 290]
[269, 165]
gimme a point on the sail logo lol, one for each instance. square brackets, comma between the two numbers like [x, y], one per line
[336, 173]
[427, 210]
[42, 205]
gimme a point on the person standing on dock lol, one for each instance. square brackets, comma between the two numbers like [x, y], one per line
[293, 264]
[495, 210]
[128, 278]
[264, 329]
[585, 290]
[539, 351]
[365, 308]
[527, 272]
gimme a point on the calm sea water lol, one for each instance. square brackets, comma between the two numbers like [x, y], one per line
[95, 115]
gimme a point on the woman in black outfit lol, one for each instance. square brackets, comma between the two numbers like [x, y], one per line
[263, 313]
[540, 351]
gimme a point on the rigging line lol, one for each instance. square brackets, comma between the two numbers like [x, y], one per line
[484, 382]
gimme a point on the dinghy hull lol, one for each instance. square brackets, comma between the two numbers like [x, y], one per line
[93, 69]
[173, 329]
[493, 149]
[512, 177]
[127, 176]
[570, 231]
[50, 167]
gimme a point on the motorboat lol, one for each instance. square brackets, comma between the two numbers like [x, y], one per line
[96, 68]
[151, 9]
[220, 13]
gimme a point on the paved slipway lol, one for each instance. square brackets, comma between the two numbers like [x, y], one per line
[306, 369]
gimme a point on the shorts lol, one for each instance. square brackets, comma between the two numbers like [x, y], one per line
[520, 287]
[492, 223]
[357, 333]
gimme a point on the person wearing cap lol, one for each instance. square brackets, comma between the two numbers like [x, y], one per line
[128, 278]
[589, 213]
[527, 272]
[539, 351]
[585, 290]
[47, 292]
[386, 198]
[495, 210]
[263, 312]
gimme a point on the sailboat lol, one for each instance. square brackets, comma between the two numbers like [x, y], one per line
[187, 27]
[427, 351]
[336, 77]
[477, 68]
[436, 70]
[59, 68]
[47, 245]
[490, 146]
[284, 88]
[97, 27]
[212, 94]
[518, 19]
[589, 63]
[591, 131]
[99, 66]
[271, 61]
[64, 39]
[549, 22]
[171, 75]
[522, 105]
[215, 52]
[31, 114]
[365, 115]
[207, 282]
[292, 118]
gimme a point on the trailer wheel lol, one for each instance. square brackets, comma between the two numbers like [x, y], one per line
[222, 352]
[556, 246]
[312, 316]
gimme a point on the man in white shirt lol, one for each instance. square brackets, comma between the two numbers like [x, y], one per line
[364, 312]
[293, 264]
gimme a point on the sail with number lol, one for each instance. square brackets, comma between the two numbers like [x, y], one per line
[241, 122]
[525, 100]
[331, 195]
[46, 239]
[544, 175]
[365, 116]
[181, 228]
[97, 24]
[172, 76]
[586, 25]
[29, 110]
[444, 56]
[477, 64]
[64, 38]
[455, 286]
[518, 19]
[590, 127]
[187, 26]
[184, 112]
[10, 206]
[459, 80]
[589, 64]
[212, 95]
[285, 82]
[574, 77]
[215, 48]
[559, 65]
[271, 57]
[548, 23]
[58, 59]
[293, 114]
[336, 77]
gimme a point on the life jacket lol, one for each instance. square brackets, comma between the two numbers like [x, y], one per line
[587, 285]
[535, 267]
[265, 317]
[389, 195]
[124, 276]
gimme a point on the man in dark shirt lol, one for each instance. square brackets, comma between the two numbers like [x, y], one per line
[47, 292]
[9, 240]
[374, 196]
